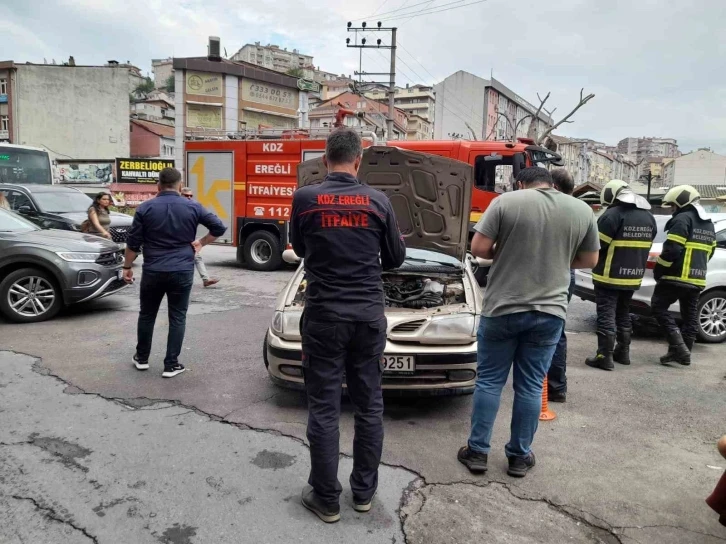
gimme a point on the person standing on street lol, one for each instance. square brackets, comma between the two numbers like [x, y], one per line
[627, 230]
[535, 236]
[680, 271]
[343, 326]
[187, 193]
[166, 227]
[557, 374]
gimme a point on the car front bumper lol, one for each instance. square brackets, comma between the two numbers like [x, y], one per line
[440, 370]
[109, 281]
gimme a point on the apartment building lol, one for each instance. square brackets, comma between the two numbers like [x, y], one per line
[413, 99]
[277, 59]
[372, 115]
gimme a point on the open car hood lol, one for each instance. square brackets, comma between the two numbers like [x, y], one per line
[431, 195]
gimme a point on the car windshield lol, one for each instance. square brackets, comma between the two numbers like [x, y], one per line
[426, 256]
[9, 222]
[62, 202]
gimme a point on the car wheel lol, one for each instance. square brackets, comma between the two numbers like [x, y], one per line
[712, 317]
[30, 295]
[262, 251]
[264, 351]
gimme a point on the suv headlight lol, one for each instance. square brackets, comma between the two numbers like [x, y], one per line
[78, 257]
[451, 328]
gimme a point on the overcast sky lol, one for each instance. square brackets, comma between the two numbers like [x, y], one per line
[657, 67]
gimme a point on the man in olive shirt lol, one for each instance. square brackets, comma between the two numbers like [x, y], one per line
[535, 236]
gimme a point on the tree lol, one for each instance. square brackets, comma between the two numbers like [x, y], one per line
[539, 138]
[296, 72]
[169, 84]
[146, 87]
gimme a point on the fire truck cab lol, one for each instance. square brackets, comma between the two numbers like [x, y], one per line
[247, 179]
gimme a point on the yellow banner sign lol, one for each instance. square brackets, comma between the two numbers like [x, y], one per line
[270, 95]
[204, 84]
[199, 116]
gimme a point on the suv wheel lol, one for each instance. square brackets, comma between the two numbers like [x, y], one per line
[30, 295]
[712, 317]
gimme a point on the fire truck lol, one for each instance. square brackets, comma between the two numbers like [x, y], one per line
[248, 178]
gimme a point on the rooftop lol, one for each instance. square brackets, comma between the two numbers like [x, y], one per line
[165, 131]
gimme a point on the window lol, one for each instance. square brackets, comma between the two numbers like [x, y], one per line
[4, 122]
[17, 200]
[3, 86]
[721, 239]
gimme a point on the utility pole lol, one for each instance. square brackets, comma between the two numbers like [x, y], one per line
[391, 75]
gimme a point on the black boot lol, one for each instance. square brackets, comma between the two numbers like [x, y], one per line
[677, 350]
[604, 357]
[622, 348]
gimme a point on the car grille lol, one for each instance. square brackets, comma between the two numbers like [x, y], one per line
[115, 285]
[111, 259]
[119, 234]
[409, 326]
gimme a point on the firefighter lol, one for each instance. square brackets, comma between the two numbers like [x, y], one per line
[680, 270]
[627, 229]
[347, 234]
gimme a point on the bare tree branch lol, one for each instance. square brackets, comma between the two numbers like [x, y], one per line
[473, 134]
[532, 132]
[583, 100]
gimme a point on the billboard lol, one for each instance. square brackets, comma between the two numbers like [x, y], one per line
[140, 170]
[204, 84]
[78, 173]
[269, 95]
[203, 116]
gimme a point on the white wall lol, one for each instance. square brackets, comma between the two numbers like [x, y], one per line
[179, 120]
[700, 168]
[459, 100]
[74, 112]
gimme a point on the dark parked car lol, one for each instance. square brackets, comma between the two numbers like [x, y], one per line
[41, 271]
[59, 207]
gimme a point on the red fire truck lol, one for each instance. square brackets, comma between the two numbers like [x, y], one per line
[248, 179]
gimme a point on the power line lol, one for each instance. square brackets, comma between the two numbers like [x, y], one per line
[401, 8]
[433, 9]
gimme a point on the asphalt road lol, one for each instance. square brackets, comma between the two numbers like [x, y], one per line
[630, 457]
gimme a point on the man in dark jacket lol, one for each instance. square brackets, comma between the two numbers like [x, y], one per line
[166, 228]
[627, 229]
[680, 271]
[347, 234]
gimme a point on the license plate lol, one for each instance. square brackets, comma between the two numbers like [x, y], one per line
[399, 364]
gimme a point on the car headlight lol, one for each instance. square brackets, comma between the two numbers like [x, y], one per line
[451, 328]
[74, 257]
[277, 323]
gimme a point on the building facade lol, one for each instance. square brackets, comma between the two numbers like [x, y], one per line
[372, 115]
[419, 128]
[466, 102]
[225, 97]
[156, 110]
[162, 69]
[646, 148]
[273, 58]
[151, 140]
[75, 112]
[414, 100]
[701, 167]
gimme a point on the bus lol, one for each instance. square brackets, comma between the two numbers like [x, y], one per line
[24, 164]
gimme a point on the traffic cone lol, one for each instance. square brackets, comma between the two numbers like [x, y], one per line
[546, 414]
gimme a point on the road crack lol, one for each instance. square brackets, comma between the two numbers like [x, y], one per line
[51, 514]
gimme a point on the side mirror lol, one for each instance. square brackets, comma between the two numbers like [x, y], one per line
[26, 210]
[519, 163]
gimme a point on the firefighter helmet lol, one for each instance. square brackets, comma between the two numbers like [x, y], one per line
[611, 190]
[681, 196]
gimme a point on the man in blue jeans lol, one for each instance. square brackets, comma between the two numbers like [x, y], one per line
[535, 236]
[166, 227]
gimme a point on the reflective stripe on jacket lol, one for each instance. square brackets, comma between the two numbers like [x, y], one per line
[690, 244]
[626, 236]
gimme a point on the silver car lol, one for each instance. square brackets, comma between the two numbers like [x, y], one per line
[712, 304]
[432, 301]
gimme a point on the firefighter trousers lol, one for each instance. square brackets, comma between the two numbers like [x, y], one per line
[613, 309]
[333, 352]
[665, 294]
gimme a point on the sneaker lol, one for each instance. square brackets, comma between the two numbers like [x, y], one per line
[170, 372]
[476, 462]
[311, 501]
[363, 507]
[140, 365]
[519, 466]
[556, 396]
[210, 282]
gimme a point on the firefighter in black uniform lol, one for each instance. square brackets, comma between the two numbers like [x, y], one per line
[347, 234]
[627, 229]
[680, 271]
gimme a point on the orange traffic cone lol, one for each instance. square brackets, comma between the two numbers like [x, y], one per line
[546, 414]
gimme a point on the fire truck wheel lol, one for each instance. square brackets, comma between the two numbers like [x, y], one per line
[262, 251]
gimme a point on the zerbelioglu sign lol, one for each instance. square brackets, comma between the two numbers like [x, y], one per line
[140, 170]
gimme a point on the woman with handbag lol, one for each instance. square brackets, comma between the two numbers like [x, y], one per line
[99, 217]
